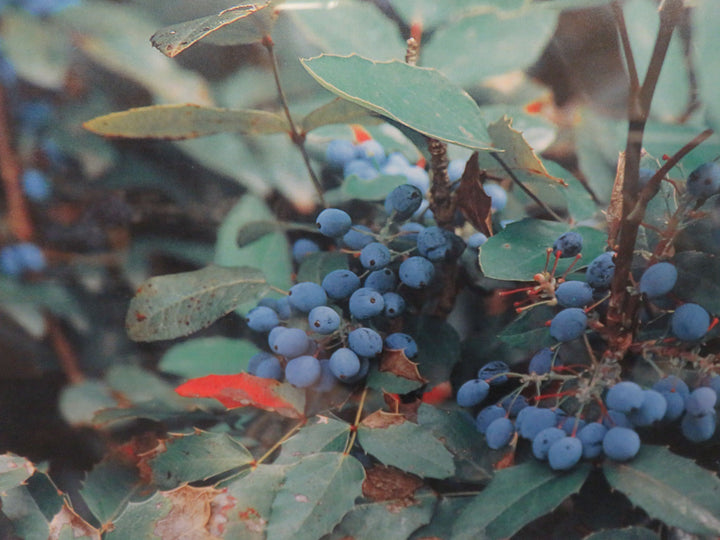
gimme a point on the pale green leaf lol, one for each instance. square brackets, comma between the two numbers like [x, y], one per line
[338, 111]
[321, 434]
[205, 356]
[14, 470]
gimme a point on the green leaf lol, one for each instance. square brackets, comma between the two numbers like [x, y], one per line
[139, 519]
[529, 332]
[316, 266]
[447, 511]
[395, 520]
[321, 434]
[167, 307]
[176, 122]
[202, 455]
[31, 507]
[519, 251]
[706, 41]
[338, 111]
[108, 487]
[419, 98]
[385, 381]
[431, 14]
[204, 356]
[670, 488]
[79, 402]
[453, 49]
[14, 470]
[515, 497]
[318, 491]
[254, 493]
[241, 24]
[52, 296]
[438, 347]
[628, 533]
[408, 447]
[697, 279]
[354, 187]
[255, 230]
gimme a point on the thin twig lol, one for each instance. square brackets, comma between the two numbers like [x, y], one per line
[64, 351]
[627, 50]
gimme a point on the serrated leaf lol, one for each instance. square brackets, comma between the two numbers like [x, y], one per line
[244, 390]
[315, 266]
[208, 356]
[670, 488]
[389, 382]
[14, 470]
[419, 98]
[108, 488]
[338, 111]
[186, 121]
[697, 279]
[408, 447]
[396, 520]
[318, 491]
[167, 307]
[202, 455]
[519, 251]
[516, 496]
[241, 24]
[628, 533]
[321, 434]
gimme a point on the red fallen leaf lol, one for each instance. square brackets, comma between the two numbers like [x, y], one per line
[360, 133]
[439, 394]
[471, 198]
[244, 390]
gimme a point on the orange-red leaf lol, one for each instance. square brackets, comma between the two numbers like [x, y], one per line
[244, 390]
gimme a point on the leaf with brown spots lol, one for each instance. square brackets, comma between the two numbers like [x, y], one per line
[471, 199]
[388, 484]
[67, 524]
[191, 513]
[382, 420]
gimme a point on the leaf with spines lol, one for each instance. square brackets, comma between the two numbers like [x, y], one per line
[317, 492]
[166, 307]
[241, 24]
[321, 434]
[404, 94]
[670, 488]
[187, 121]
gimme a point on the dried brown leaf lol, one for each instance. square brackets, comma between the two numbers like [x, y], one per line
[471, 199]
[384, 483]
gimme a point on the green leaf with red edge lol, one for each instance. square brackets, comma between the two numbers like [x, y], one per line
[243, 390]
[241, 24]
[186, 121]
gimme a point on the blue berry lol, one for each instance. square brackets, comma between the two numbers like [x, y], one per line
[323, 320]
[616, 419]
[476, 240]
[257, 359]
[365, 342]
[382, 281]
[513, 404]
[569, 324]
[17, 258]
[701, 401]
[498, 196]
[333, 222]
[434, 243]
[534, 420]
[288, 342]
[416, 272]
[541, 362]
[371, 151]
[394, 305]
[35, 185]
[601, 270]
[344, 364]
[658, 279]
[339, 152]
[364, 368]
[395, 164]
[283, 308]
[645, 174]
[690, 322]
[418, 177]
[340, 283]
[675, 405]
[303, 371]
[306, 295]
[404, 342]
[574, 294]
[673, 384]
[571, 424]
[625, 396]
[591, 436]
[455, 169]
[544, 440]
[303, 247]
[365, 303]
[621, 443]
[361, 168]
[494, 371]
[270, 368]
[262, 319]
[327, 380]
[651, 410]
[698, 428]
[565, 453]
[410, 231]
[472, 392]
[403, 201]
[358, 237]
[704, 181]
[375, 256]
[487, 415]
[568, 244]
[499, 433]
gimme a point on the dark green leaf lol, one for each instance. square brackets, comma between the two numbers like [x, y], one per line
[167, 307]
[338, 111]
[316, 266]
[199, 456]
[321, 434]
[241, 24]
[519, 251]
[176, 122]
[204, 356]
[438, 347]
[52, 296]
[318, 491]
[408, 447]
[14, 470]
[394, 520]
[420, 98]
[529, 331]
[670, 488]
[389, 382]
[629, 533]
[515, 497]
[31, 507]
[108, 487]
[446, 514]
[697, 279]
